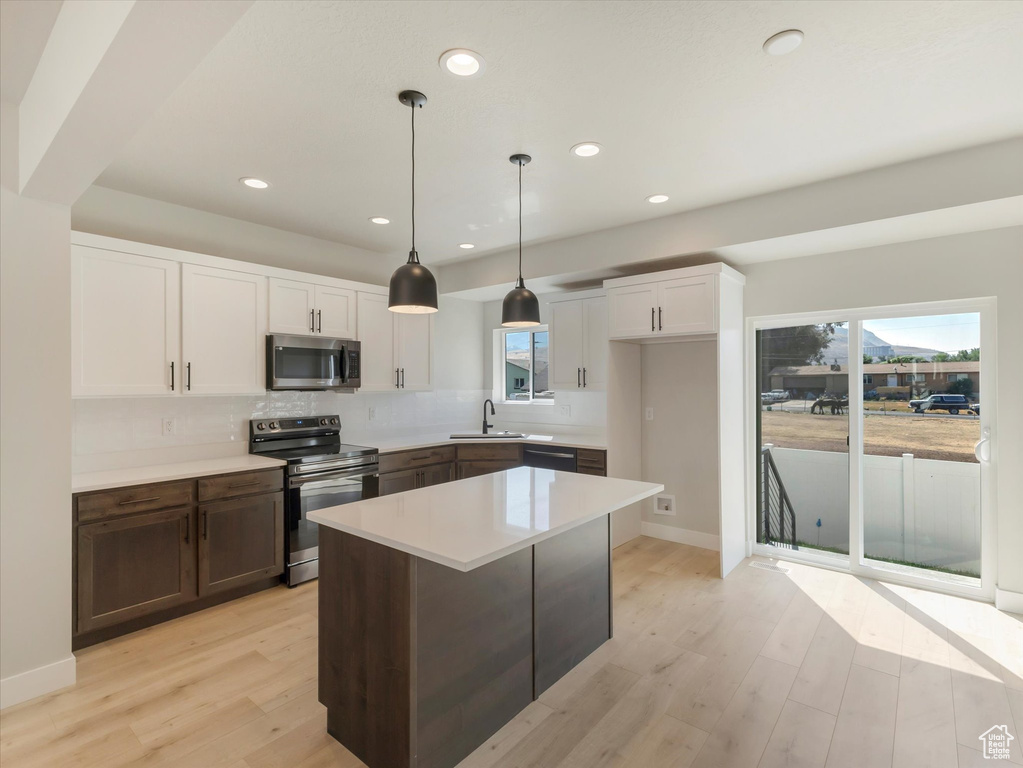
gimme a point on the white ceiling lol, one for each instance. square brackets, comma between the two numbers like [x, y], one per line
[304, 94]
[25, 26]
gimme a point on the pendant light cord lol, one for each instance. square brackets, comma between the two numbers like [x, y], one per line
[520, 221]
[413, 178]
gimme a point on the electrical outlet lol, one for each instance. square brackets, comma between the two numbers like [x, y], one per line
[649, 414]
[565, 410]
[169, 427]
[371, 413]
[664, 504]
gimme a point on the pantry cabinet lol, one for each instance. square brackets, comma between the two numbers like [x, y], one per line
[579, 343]
[308, 309]
[223, 331]
[397, 349]
[125, 321]
[670, 307]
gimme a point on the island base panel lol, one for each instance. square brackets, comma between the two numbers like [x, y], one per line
[421, 663]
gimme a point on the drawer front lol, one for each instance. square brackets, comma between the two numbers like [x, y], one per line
[439, 454]
[135, 498]
[599, 472]
[591, 458]
[240, 484]
[490, 452]
[477, 468]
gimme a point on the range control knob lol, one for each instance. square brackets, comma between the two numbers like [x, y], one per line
[334, 420]
[323, 422]
[274, 425]
[261, 426]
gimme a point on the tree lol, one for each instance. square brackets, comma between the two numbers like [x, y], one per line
[902, 359]
[794, 346]
[961, 387]
[967, 355]
[867, 360]
[941, 357]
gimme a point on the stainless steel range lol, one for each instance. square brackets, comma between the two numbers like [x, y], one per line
[322, 472]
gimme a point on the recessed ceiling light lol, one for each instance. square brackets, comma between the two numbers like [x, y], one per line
[586, 149]
[248, 181]
[462, 62]
[379, 220]
[657, 199]
[467, 246]
[783, 42]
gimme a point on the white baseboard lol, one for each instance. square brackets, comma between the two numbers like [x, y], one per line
[1006, 600]
[27, 685]
[682, 536]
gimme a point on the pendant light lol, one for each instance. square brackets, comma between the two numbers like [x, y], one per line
[413, 289]
[521, 307]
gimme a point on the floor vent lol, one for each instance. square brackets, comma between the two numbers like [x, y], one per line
[768, 567]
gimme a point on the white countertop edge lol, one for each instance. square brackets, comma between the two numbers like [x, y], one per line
[396, 445]
[471, 565]
[162, 473]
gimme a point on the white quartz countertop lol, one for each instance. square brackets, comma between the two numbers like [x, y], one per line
[472, 522]
[408, 442]
[159, 473]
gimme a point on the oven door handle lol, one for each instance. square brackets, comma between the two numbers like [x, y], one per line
[329, 478]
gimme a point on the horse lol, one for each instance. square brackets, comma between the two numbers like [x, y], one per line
[836, 404]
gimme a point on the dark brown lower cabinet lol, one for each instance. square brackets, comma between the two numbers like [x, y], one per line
[437, 474]
[410, 479]
[240, 541]
[475, 468]
[133, 566]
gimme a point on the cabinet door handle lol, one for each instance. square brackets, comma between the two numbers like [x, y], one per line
[312, 321]
[584, 377]
[652, 319]
[403, 378]
[397, 384]
[205, 524]
[578, 375]
[188, 528]
[138, 501]
[660, 327]
[319, 321]
[172, 375]
[188, 377]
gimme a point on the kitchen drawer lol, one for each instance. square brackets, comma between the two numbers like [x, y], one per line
[486, 467]
[134, 498]
[490, 452]
[598, 471]
[240, 484]
[591, 459]
[438, 454]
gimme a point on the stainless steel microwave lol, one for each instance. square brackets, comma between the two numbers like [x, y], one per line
[312, 363]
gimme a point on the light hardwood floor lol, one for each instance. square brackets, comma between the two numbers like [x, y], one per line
[805, 668]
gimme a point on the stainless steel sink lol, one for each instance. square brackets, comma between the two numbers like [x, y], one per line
[489, 435]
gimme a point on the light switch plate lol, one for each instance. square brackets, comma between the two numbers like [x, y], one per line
[565, 410]
[169, 427]
[649, 414]
[371, 413]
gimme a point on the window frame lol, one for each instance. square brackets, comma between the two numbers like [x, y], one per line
[501, 369]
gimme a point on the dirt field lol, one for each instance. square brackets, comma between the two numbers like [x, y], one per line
[926, 437]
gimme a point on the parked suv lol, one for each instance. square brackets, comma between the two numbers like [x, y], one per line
[951, 403]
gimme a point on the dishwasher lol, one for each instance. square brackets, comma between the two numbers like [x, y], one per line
[549, 457]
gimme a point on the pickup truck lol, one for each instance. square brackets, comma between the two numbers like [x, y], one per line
[951, 403]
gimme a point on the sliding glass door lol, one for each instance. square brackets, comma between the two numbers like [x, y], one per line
[872, 442]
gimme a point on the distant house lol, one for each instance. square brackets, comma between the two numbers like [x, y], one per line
[916, 378]
[516, 380]
[881, 350]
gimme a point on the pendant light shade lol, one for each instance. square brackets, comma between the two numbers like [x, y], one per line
[413, 289]
[521, 308]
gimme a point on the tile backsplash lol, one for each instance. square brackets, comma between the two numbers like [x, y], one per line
[124, 432]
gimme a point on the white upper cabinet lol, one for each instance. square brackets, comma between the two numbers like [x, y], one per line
[413, 346]
[292, 307]
[125, 324]
[397, 349]
[376, 332]
[673, 307]
[335, 312]
[579, 343]
[632, 310]
[307, 309]
[686, 305]
[223, 330]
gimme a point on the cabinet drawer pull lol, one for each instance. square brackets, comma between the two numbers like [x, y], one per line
[245, 485]
[137, 501]
[421, 458]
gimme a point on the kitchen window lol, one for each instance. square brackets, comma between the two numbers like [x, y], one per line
[524, 365]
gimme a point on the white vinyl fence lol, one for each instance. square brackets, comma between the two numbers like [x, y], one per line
[917, 510]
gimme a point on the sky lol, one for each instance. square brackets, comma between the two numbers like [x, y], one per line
[946, 333]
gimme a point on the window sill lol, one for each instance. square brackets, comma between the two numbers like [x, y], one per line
[521, 403]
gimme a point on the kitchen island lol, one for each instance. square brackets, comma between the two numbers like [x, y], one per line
[445, 610]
